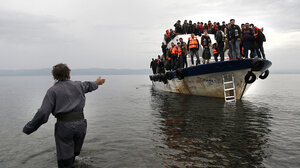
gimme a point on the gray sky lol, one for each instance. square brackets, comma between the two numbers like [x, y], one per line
[127, 34]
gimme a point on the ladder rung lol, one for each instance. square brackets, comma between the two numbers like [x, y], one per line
[228, 82]
[231, 100]
[229, 97]
[229, 89]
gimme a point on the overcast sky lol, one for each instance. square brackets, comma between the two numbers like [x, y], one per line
[127, 34]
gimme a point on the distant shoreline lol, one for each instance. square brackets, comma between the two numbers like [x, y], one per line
[98, 71]
[92, 71]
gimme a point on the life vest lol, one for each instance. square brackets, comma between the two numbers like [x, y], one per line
[193, 43]
[169, 58]
[168, 34]
[215, 51]
[256, 32]
[201, 28]
[179, 51]
[174, 50]
[209, 26]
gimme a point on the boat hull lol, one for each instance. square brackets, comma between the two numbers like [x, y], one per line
[207, 80]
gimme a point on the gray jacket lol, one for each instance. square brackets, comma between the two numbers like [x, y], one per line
[62, 97]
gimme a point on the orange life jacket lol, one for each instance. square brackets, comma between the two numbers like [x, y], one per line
[257, 29]
[215, 51]
[169, 58]
[174, 50]
[201, 28]
[168, 34]
[193, 43]
[209, 26]
[179, 51]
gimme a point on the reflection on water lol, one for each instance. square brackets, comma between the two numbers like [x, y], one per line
[206, 132]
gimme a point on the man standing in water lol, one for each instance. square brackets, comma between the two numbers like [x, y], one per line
[65, 100]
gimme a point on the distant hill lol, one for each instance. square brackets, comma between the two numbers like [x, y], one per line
[91, 71]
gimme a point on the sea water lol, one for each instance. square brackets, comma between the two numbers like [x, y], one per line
[132, 125]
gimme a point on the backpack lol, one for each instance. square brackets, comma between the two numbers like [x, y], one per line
[219, 36]
[261, 36]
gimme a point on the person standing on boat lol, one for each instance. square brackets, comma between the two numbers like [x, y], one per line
[210, 27]
[193, 47]
[220, 38]
[178, 27]
[248, 40]
[190, 27]
[66, 101]
[206, 43]
[153, 66]
[185, 27]
[164, 50]
[234, 37]
[215, 51]
[180, 55]
[185, 51]
[223, 26]
[259, 38]
[174, 54]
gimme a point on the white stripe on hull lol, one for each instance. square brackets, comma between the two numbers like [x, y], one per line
[210, 85]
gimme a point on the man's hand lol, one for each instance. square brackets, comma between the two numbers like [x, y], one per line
[100, 81]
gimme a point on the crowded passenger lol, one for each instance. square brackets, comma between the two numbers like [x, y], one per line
[180, 61]
[178, 28]
[159, 65]
[206, 43]
[215, 51]
[185, 27]
[153, 66]
[174, 54]
[239, 40]
[185, 51]
[193, 47]
[234, 37]
[197, 29]
[220, 39]
[167, 36]
[209, 27]
[223, 26]
[248, 41]
[259, 38]
[164, 50]
[201, 27]
[172, 34]
[190, 27]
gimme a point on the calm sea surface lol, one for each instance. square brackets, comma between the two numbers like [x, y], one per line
[131, 125]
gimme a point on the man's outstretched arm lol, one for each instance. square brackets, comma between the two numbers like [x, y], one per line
[42, 114]
[91, 86]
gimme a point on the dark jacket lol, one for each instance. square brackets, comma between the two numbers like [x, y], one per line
[234, 32]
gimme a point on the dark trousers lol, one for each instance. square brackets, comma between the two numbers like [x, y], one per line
[185, 61]
[173, 61]
[69, 138]
[216, 57]
[181, 61]
[154, 70]
[248, 45]
[260, 51]
[221, 50]
[192, 53]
